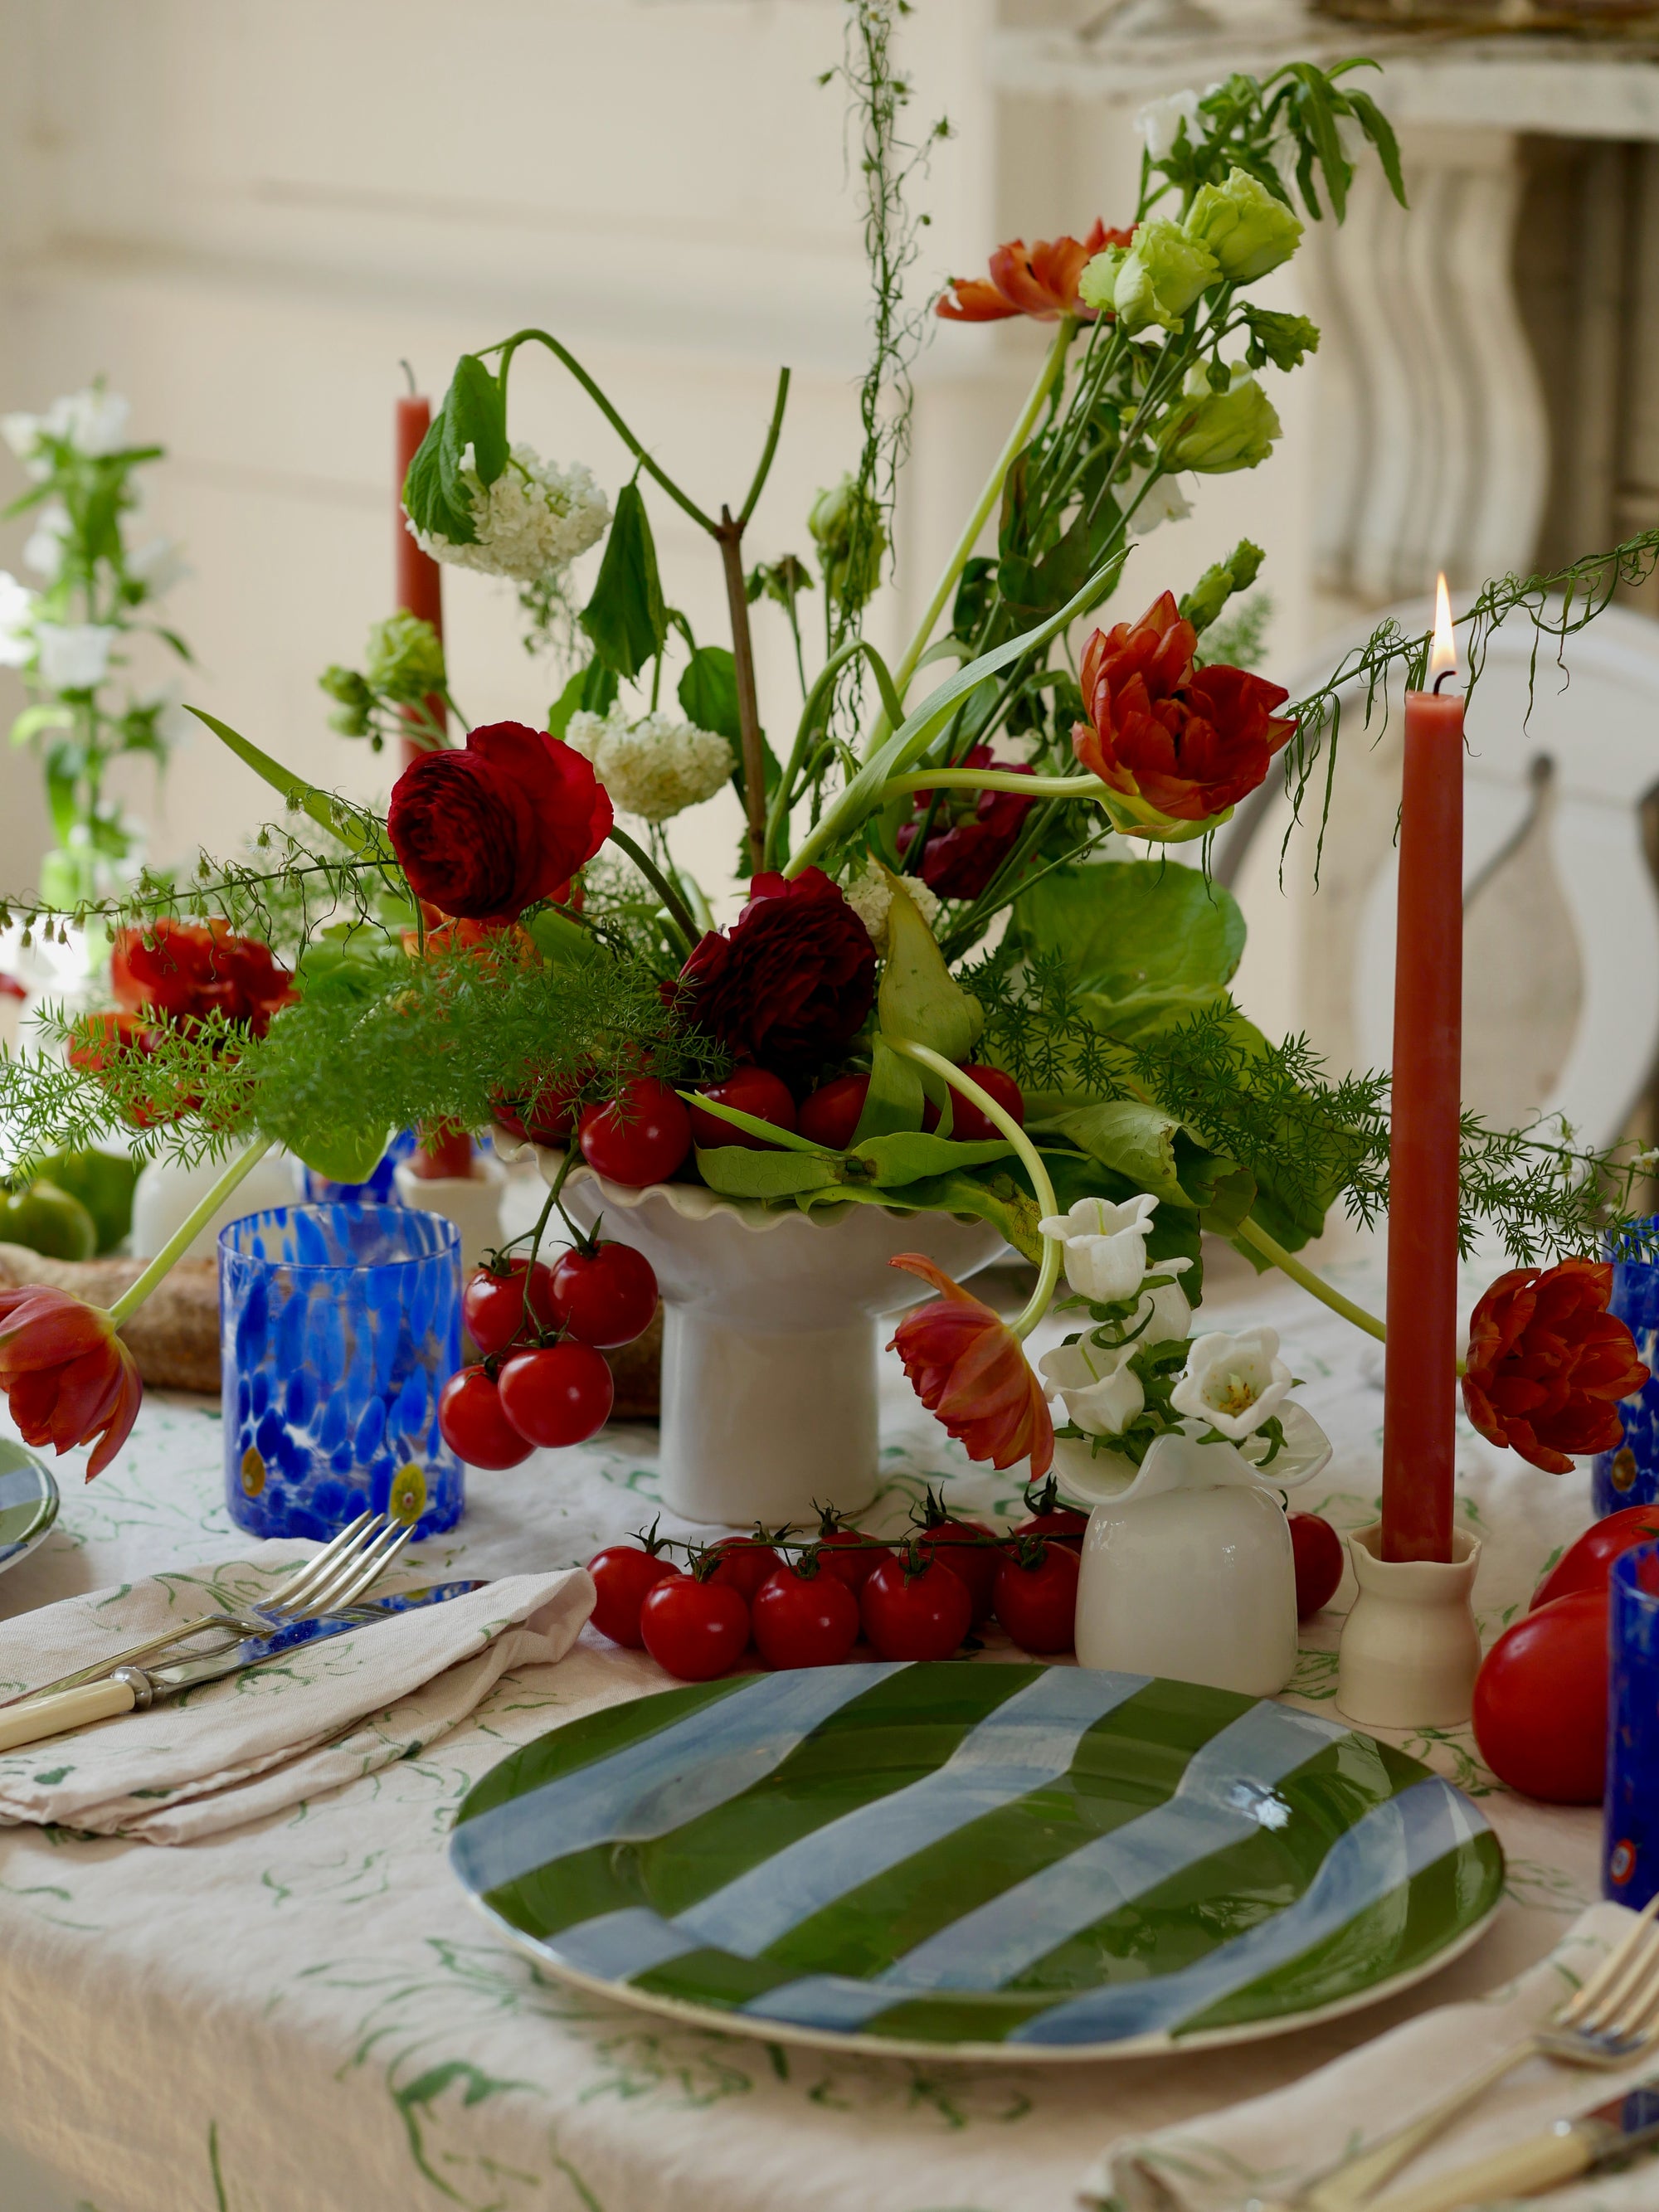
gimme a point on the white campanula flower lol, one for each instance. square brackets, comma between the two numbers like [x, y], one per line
[158, 565]
[654, 767]
[1234, 1383]
[1105, 1245]
[1159, 122]
[43, 550]
[871, 897]
[73, 656]
[535, 517]
[94, 422]
[1166, 502]
[17, 604]
[1102, 1392]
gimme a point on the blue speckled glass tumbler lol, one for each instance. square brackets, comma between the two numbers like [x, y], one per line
[1630, 1860]
[1629, 1476]
[338, 1325]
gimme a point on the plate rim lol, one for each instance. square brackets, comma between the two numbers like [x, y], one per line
[1161, 2042]
[46, 1519]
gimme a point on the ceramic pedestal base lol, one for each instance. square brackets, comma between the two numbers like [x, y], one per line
[1410, 1649]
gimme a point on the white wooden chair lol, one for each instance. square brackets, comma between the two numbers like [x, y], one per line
[1552, 793]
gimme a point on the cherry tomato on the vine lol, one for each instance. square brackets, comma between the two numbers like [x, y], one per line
[1061, 1524]
[473, 1424]
[622, 1574]
[560, 1393]
[1318, 1550]
[606, 1297]
[913, 1607]
[968, 1122]
[1540, 1701]
[968, 1549]
[494, 1304]
[743, 1563]
[696, 1630]
[546, 1118]
[1036, 1597]
[831, 1114]
[1588, 1565]
[642, 1136]
[802, 1617]
[847, 1554]
[751, 1089]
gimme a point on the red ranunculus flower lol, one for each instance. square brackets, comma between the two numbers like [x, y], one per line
[966, 1365]
[968, 841]
[486, 832]
[1041, 282]
[1548, 1363]
[789, 983]
[1190, 741]
[187, 969]
[67, 1374]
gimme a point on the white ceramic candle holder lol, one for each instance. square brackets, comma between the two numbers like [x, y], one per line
[1410, 1649]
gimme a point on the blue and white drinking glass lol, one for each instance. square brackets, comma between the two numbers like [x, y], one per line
[1629, 1862]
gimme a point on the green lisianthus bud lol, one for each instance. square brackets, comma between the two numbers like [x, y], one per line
[350, 717]
[1216, 431]
[1157, 279]
[405, 659]
[1242, 224]
[1217, 585]
[846, 525]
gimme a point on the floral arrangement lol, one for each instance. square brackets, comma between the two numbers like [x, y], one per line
[970, 976]
[71, 638]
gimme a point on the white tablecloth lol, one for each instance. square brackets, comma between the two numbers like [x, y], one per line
[305, 2015]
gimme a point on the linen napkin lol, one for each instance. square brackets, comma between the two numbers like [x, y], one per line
[324, 1714]
[1272, 2146]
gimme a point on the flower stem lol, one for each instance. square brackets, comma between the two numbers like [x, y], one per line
[1030, 1157]
[729, 537]
[1053, 363]
[1250, 1232]
[184, 1235]
[674, 906]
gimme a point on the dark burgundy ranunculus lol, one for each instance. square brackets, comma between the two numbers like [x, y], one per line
[486, 832]
[972, 832]
[790, 982]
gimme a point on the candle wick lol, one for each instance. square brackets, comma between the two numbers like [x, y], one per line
[1441, 678]
[414, 387]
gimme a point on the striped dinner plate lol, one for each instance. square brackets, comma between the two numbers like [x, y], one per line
[1029, 1861]
[28, 1503]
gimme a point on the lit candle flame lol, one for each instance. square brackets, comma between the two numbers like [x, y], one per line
[1443, 653]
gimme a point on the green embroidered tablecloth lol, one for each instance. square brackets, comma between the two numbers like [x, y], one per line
[305, 2015]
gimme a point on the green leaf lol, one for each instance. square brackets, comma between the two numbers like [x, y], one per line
[785, 1140]
[894, 1100]
[708, 692]
[559, 939]
[909, 1154]
[1133, 931]
[475, 415]
[919, 999]
[344, 1155]
[1377, 128]
[332, 815]
[625, 617]
[33, 720]
[427, 496]
[737, 1172]
[591, 690]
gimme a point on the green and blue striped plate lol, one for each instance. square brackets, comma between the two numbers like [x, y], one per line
[28, 1503]
[1043, 1862]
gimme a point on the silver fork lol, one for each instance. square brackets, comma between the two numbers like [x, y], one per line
[1609, 2023]
[347, 1566]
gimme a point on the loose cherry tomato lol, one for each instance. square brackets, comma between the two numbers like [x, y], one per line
[1540, 1701]
[493, 1303]
[967, 1121]
[804, 1618]
[1036, 1597]
[1588, 1564]
[1061, 1524]
[558, 1395]
[640, 1137]
[1318, 1550]
[831, 1114]
[754, 1091]
[473, 1424]
[914, 1608]
[606, 1297]
[743, 1563]
[968, 1549]
[847, 1554]
[623, 1574]
[696, 1630]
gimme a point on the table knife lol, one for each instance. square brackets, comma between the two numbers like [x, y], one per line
[125, 1689]
[1597, 2140]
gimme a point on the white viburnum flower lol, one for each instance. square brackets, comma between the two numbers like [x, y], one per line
[535, 517]
[1233, 1382]
[17, 604]
[871, 897]
[654, 767]
[94, 422]
[1159, 122]
[158, 565]
[73, 656]
[1102, 1392]
[1105, 1245]
[43, 550]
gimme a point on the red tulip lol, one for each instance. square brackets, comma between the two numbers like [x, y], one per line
[67, 1374]
[1548, 1363]
[177, 972]
[966, 1365]
[1190, 741]
[1041, 281]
